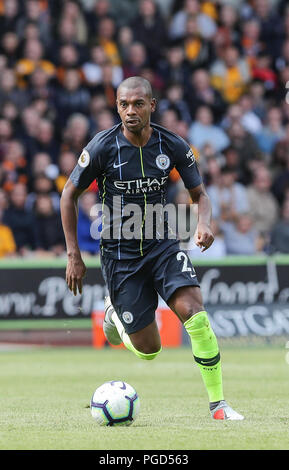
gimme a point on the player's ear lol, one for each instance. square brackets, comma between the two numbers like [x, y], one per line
[153, 104]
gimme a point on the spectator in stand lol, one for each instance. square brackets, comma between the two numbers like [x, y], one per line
[42, 184]
[10, 91]
[169, 119]
[108, 85]
[105, 120]
[72, 97]
[201, 93]
[212, 170]
[183, 130]
[14, 165]
[281, 181]
[43, 109]
[197, 49]
[281, 151]
[242, 113]
[125, 39]
[76, 133]
[48, 227]
[3, 63]
[282, 96]
[6, 134]
[10, 47]
[40, 164]
[233, 116]
[174, 99]
[263, 206]
[93, 69]
[72, 12]
[45, 140]
[68, 58]
[149, 29]
[28, 131]
[156, 81]
[88, 244]
[228, 197]
[137, 60]
[246, 146]
[36, 13]
[31, 31]
[39, 87]
[3, 201]
[106, 36]
[251, 44]
[228, 24]
[203, 131]
[100, 9]
[280, 233]
[174, 67]
[271, 25]
[282, 61]
[11, 113]
[20, 220]
[33, 57]
[249, 120]
[66, 34]
[98, 103]
[7, 242]
[272, 132]
[67, 161]
[240, 236]
[10, 16]
[232, 160]
[263, 70]
[125, 11]
[230, 75]
[206, 24]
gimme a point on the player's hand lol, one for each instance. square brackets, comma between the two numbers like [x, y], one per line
[75, 272]
[203, 236]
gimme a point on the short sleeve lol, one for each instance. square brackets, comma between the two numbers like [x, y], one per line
[88, 167]
[186, 164]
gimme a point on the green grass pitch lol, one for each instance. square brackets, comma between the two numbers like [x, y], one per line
[45, 393]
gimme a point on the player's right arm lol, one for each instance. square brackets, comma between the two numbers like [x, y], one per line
[75, 270]
[87, 169]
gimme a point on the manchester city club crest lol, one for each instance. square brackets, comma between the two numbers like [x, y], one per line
[127, 317]
[163, 161]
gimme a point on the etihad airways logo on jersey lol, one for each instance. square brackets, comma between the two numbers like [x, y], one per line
[141, 185]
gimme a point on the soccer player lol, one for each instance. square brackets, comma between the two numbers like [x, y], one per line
[131, 162]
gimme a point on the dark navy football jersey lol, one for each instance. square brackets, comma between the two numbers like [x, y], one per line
[131, 181]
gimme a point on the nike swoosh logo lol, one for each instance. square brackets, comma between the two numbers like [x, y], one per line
[193, 275]
[120, 164]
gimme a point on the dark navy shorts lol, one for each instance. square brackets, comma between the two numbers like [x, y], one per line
[134, 284]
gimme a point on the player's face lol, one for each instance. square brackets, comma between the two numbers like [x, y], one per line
[134, 108]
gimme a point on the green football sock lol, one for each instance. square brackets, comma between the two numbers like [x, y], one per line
[206, 354]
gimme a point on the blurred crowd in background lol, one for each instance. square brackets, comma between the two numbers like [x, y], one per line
[220, 73]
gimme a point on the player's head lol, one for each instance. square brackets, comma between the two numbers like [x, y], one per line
[135, 103]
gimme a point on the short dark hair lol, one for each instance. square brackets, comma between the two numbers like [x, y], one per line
[135, 82]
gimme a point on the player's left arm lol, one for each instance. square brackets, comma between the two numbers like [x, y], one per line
[203, 236]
